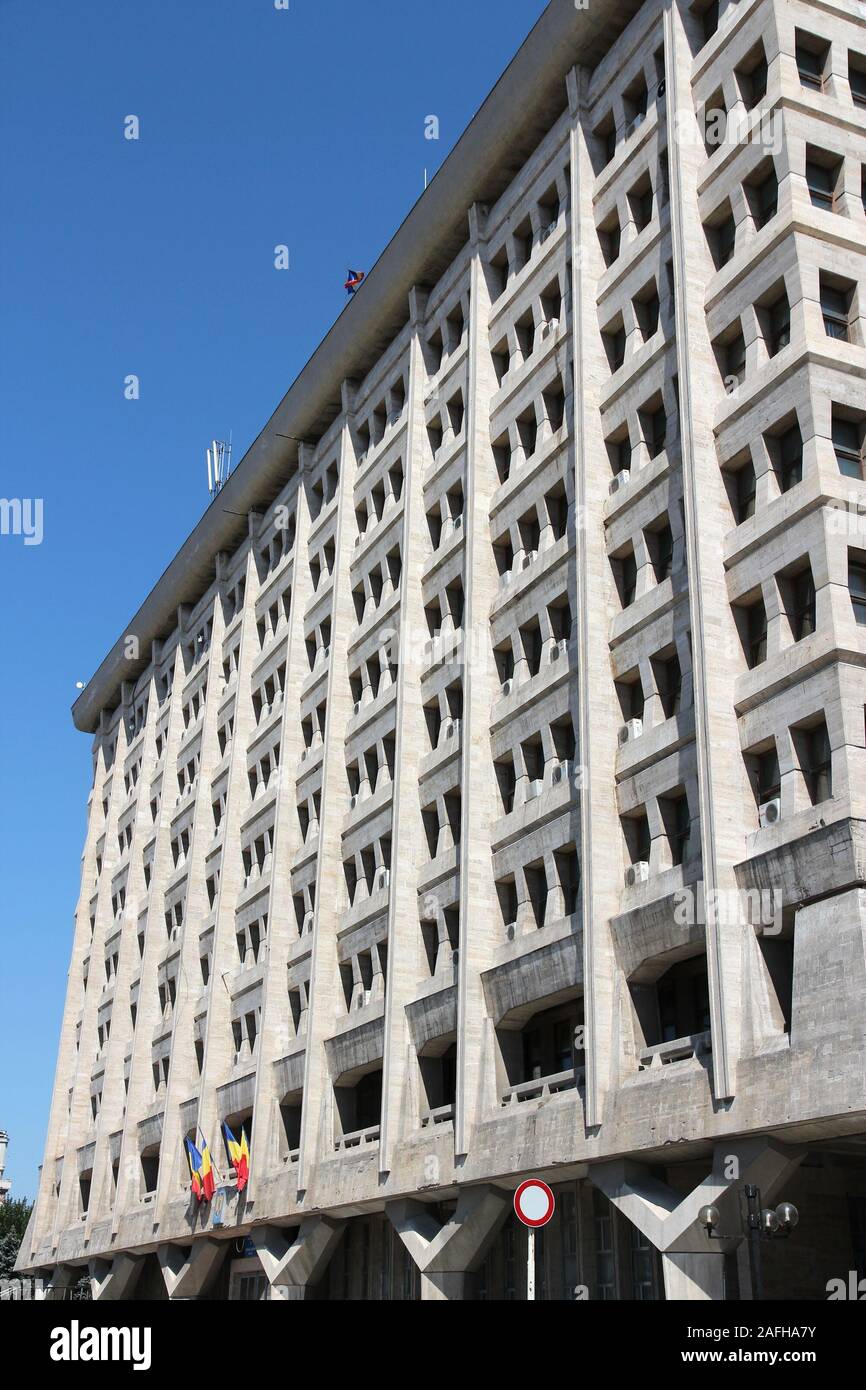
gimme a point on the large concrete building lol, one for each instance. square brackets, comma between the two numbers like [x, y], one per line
[481, 792]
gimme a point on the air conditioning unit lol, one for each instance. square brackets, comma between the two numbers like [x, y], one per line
[548, 232]
[455, 958]
[507, 687]
[353, 803]
[549, 327]
[621, 480]
[560, 773]
[506, 578]
[528, 558]
[630, 731]
[511, 931]
[357, 709]
[309, 919]
[662, 88]
[382, 880]
[637, 873]
[771, 813]
[458, 522]
[534, 789]
[305, 753]
[453, 728]
[559, 649]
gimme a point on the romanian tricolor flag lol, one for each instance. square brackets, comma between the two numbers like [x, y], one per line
[206, 1174]
[238, 1155]
[194, 1159]
[200, 1171]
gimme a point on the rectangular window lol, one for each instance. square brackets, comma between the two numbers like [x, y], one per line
[836, 309]
[768, 782]
[801, 605]
[817, 764]
[741, 487]
[791, 457]
[857, 77]
[779, 326]
[822, 179]
[762, 194]
[756, 635]
[812, 57]
[605, 1260]
[848, 445]
[857, 590]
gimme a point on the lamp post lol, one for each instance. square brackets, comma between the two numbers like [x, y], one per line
[760, 1224]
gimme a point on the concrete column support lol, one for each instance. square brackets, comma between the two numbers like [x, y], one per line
[63, 1277]
[299, 1264]
[694, 1277]
[446, 1254]
[693, 1261]
[189, 1271]
[113, 1280]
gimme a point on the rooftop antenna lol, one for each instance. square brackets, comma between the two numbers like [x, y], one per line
[219, 466]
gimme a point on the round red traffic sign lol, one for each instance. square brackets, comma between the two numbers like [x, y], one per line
[534, 1203]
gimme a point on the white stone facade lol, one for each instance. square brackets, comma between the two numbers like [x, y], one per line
[491, 801]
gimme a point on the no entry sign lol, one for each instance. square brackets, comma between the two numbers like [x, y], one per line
[534, 1203]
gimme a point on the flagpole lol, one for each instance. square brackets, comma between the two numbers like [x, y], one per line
[207, 1146]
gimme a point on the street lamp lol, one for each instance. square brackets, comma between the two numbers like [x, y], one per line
[760, 1224]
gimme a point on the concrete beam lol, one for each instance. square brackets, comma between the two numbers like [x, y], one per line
[189, 1271]
[302, 1262]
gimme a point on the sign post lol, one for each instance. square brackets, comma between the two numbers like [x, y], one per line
[534, 1205]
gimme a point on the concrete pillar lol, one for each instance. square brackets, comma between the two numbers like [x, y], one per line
[114, 1280]
[63, 1278]
[189, 1271]
[445, 1255]
[296, 1267]
[694, 1277]
[693, 1262]
[443, 1288]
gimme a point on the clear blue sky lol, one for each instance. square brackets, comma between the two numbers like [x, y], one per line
[259, 127]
